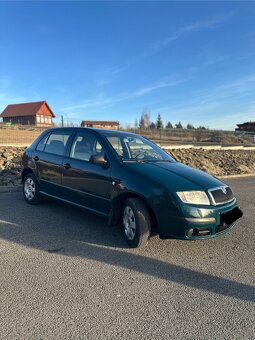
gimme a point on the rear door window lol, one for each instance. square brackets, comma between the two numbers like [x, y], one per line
[42, 143]
[57, 142]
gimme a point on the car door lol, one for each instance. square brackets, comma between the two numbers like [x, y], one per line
[85, 183]
[48, 157]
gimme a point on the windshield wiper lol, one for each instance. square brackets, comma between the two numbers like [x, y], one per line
[157, 161]
[147, 160]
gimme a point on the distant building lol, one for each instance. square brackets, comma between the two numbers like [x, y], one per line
[36, 113]
[246, 127]
[100, 124]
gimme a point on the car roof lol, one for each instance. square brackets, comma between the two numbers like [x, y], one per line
[100, 131]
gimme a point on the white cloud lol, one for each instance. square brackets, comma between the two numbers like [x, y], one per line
[217, 107]
[194, 27]
[215, 60]
[179, 33]
[102, 82]
[100, 100]
[237, 88]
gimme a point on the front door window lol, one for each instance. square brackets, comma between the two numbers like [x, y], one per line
[84, 146]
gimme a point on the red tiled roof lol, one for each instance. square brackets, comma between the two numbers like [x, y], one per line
[99, 122]
[25, 109]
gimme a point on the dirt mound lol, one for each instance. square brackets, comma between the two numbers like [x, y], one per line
[217, 162]
[10, 165]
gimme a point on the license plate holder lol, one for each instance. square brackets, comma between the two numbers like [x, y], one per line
[231, 216]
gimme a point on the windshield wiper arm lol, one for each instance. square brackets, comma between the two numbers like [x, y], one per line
[147, 160]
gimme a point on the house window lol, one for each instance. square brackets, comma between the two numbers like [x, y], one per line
[43, 119]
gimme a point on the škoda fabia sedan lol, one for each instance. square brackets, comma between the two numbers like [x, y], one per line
[130, 180]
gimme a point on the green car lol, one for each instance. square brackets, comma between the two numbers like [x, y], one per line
[131, 181]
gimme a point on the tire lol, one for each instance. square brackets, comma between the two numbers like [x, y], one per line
[31, 189]
[136, 222]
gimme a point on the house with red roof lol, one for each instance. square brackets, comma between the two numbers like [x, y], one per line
[35, 113]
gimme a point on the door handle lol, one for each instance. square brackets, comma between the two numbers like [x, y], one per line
[67, 166]
[36, 158]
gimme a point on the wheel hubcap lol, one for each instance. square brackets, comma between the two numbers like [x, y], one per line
[29, 188]
[129, 223]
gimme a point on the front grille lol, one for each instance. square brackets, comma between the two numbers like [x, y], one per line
[221, 195]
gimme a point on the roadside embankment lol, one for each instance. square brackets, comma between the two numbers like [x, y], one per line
[10, 165]
[216, 162]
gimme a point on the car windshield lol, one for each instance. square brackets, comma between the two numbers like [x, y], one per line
[136, 148]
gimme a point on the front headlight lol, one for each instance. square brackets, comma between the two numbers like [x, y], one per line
[194, 197]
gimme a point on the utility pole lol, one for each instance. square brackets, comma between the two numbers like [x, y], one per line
[62, 121]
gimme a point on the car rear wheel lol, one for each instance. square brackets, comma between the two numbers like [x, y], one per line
[136, 222]
[31, 189]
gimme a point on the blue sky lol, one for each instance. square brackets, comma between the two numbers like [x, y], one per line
[189, 61]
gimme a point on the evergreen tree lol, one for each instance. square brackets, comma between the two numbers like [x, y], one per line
[179, 125]
[190, 126]
[169, 125]
[152, 126]
[159, 123]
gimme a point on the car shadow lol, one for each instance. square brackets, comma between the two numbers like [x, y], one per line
[54, 227]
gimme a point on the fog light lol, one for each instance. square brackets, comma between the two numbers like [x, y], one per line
[190, 232]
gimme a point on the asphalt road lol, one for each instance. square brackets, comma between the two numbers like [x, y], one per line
[64, 274]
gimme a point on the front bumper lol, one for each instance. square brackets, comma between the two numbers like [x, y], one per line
[202, 223]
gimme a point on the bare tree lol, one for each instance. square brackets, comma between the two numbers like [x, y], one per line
[144, 121]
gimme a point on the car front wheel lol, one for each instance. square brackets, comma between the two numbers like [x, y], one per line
[31, 189]
[136, 222]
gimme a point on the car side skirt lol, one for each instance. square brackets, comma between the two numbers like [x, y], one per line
[74, 204]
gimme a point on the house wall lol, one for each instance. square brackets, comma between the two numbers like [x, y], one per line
[38, 120]
[44, 110]
[43, 120]
[26, 120]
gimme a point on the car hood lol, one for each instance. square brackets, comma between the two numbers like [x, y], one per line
[175, 176]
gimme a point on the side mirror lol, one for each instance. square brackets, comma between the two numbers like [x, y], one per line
[98, 159]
